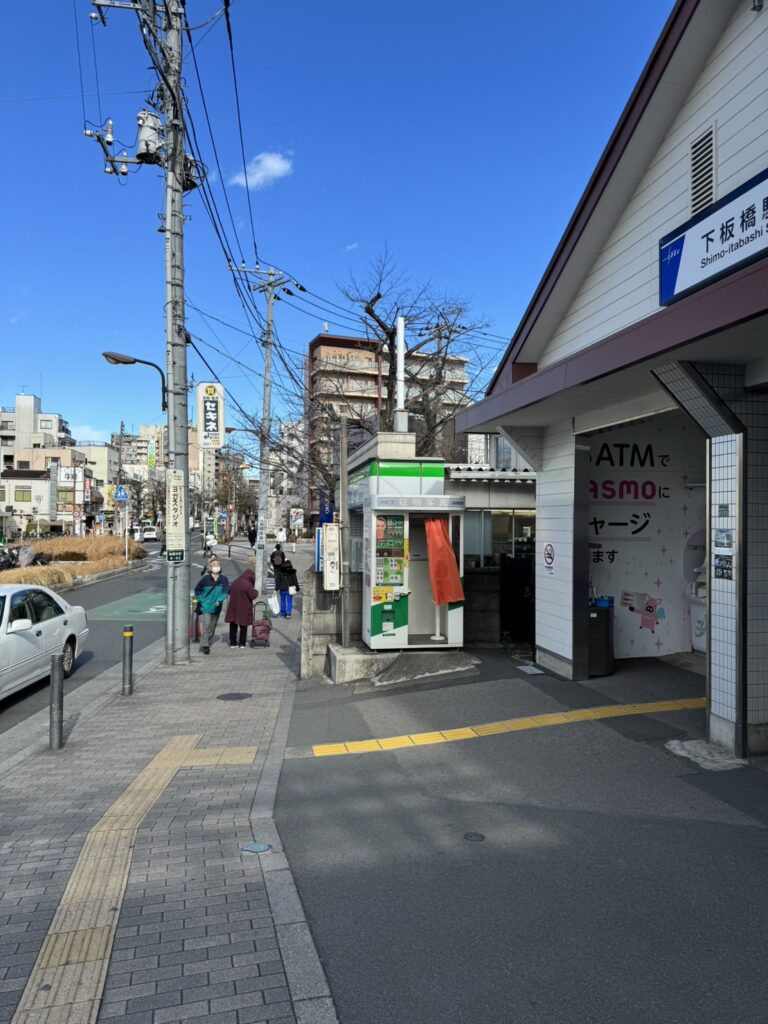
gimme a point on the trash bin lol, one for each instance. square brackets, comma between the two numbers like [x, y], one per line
[600, 640]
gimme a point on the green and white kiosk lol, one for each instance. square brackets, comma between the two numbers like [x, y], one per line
[405, 531]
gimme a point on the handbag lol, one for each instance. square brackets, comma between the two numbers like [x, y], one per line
[274, 604]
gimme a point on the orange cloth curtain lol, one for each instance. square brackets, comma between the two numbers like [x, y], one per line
[443, 570]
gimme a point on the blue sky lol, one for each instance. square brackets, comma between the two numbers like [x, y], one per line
[460, 136]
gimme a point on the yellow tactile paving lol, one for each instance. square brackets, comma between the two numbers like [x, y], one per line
[457, 734]
[67, 981]
[72, 1013]
[510, 725]
[77, 947]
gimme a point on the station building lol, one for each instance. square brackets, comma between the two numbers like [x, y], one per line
[635, 385]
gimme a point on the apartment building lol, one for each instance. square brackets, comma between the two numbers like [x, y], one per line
[25, 425]
[349, 375]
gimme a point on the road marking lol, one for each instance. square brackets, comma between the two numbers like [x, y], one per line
[473, 732]
[67, 981]
[148, 604]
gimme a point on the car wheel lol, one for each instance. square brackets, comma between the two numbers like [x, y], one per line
[69, 658]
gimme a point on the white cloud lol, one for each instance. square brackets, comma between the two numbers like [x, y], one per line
[83, 433]
[17, 318]
[351, 247]
[263, 170]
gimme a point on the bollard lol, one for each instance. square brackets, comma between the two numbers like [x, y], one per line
[56, 726]
[127, 661]
[194, 623]
[229, 550]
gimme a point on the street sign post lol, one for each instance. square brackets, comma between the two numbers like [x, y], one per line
[175, 516]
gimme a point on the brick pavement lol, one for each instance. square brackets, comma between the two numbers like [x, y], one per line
[205, 931]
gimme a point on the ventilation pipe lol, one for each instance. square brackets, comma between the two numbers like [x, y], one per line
[401, 416]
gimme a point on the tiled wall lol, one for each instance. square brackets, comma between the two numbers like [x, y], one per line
[724, 623]
[751, 408]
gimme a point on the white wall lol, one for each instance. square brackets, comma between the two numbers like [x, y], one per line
[554, 525]
[732, 91]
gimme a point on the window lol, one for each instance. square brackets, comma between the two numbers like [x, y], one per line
[20, 606]
[488, 536]
[45, 424]
[44, 606]
[62, 495]
[2, 495]
[21, 464]
[6, 424]
[22, 494]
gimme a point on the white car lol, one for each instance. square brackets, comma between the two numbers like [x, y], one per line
[35, 623]
[150, 533]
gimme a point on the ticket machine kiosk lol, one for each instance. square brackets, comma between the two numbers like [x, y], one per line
[394, 498]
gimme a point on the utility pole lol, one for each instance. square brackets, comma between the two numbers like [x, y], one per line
[177, 580]
[267, 286]
[162, 33]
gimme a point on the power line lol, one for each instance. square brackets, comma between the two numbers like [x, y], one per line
[96, 72]
[79, 60]
[213, 141]
[240, 126]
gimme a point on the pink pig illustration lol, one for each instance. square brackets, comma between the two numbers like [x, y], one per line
[651, 612]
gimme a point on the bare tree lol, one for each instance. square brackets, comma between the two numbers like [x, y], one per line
[443, 371]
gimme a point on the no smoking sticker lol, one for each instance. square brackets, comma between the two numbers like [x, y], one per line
[549, 559]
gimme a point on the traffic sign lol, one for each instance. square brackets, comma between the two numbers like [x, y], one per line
[121, 494]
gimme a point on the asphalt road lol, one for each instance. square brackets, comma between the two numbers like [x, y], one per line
[579, 873]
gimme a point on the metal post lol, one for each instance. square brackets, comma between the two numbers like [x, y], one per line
[56, 724]
[401, 416]
[177, 637]
[127, 661]
[344, 530]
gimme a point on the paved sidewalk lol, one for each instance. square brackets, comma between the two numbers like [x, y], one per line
[125, 891]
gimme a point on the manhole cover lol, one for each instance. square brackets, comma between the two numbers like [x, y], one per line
[233, 696]
[257, 848]
[474, 837]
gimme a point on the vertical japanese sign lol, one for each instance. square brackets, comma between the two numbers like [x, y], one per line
[175, 516]
[151, 455]
[210, 415]
[297, 519]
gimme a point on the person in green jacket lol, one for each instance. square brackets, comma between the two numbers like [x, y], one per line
[211, 591]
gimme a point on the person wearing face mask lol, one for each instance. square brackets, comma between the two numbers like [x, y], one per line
[211, 591]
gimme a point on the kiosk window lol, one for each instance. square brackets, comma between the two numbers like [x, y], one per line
[390, 550]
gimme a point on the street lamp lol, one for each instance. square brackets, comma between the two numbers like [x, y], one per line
[118, 359]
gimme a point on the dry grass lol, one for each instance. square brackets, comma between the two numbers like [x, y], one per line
[74, 556]
[87, 549]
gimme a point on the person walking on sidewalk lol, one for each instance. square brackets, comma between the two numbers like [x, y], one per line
[211, 591]
[289, 585]
[239, 615]
[252, 535]
[276, 560]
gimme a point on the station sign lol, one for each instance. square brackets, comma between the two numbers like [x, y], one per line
[726, 236]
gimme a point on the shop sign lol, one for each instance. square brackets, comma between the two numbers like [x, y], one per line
[210, 415]
[726, 236]
[443, 502]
